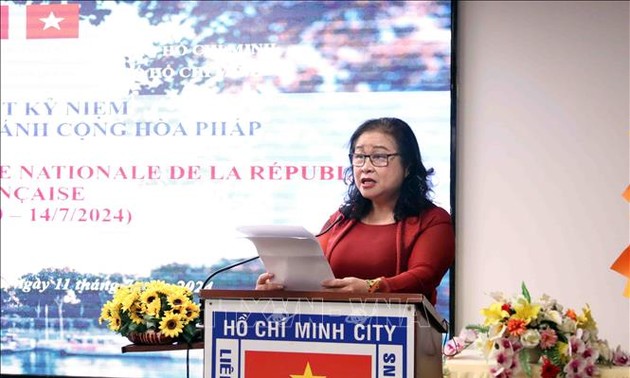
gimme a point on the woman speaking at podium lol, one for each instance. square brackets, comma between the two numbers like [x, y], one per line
[388, 235]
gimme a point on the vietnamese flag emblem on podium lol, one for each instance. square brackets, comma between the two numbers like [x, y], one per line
[264, 364]
[52, 21]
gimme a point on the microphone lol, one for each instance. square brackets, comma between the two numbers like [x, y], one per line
[245, 261]
[339, 219]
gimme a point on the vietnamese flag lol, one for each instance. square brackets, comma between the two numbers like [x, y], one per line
[4, 21]
[52, 21]
[264, 364]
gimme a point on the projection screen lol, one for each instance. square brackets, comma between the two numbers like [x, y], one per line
[138, 135]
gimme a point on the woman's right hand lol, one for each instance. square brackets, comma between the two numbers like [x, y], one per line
[264, 282]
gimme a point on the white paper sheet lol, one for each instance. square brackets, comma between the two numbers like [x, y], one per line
[292, 254]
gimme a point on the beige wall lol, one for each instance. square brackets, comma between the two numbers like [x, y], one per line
[543, 155]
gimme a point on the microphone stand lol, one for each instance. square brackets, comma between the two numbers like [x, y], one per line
[228, 267]
[212, 275]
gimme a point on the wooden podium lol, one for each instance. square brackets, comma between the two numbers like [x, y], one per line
[259, 334]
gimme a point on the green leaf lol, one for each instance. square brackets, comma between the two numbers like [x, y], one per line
[526, 292]
[136, 327]
[124, 329]
[523, 358]
[152, 323]
[555, 357]
[478, 328]
[189, 333]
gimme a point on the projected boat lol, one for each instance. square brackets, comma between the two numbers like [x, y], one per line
[11, 343]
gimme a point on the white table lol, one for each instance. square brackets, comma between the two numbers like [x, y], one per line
[472, 364]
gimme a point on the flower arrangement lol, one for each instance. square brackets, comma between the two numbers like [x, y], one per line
[153, 306]
[517, 331]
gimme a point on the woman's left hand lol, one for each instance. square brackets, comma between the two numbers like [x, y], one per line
[347, 284]
[264, 282]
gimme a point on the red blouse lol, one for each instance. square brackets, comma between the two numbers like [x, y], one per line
[354, 257]
[413, 258]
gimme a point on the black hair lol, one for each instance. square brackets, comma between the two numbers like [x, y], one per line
[416, 189]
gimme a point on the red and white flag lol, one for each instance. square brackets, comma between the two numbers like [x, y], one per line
[52, 21]
[4, 21]
[265, 364]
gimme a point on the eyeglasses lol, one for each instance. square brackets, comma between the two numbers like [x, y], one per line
[378, 160]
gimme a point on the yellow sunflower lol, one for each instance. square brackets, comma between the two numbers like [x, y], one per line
[157, 286]
[115, 322]
[149, 296]
[123, 292]
[171, 325]
[176, 299]
[106, 312]
[176, 311]
[153, 308]
[136, 313]
[185, 291]
[128, 302]
[191, 311]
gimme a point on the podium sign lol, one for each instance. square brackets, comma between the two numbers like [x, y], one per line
[302, 337]
[280, 338]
